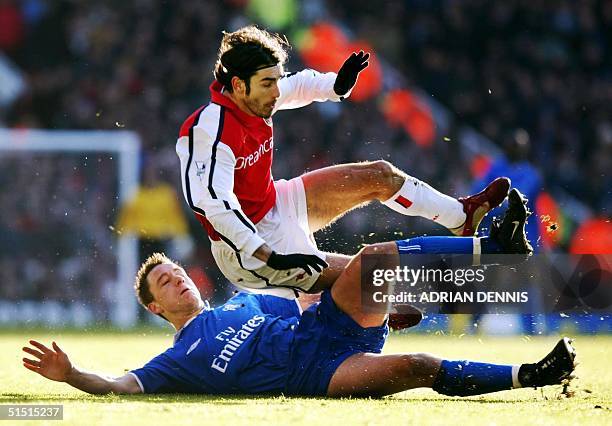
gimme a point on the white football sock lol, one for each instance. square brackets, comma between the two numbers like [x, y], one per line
[416, 198]
[477, 251]
[515, 381]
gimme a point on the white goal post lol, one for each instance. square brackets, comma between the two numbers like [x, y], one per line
[126, 146]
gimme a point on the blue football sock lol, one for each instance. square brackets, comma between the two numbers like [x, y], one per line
[449, 245]
[465, 378]
[437, 245]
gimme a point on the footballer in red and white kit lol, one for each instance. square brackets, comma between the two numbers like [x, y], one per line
[226, 160]
[261, 230]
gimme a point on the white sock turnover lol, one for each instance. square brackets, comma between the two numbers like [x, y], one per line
[416, 198]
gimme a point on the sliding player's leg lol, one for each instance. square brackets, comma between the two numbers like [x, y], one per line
[340, 327]
[333, 191]
[375, 375]
[367, 374]
[346, 291]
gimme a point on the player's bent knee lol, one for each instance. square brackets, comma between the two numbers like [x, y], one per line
[384, 178]
[421, 367]
[379, 248]
[375, 179]
[383, 168]
[381, 255]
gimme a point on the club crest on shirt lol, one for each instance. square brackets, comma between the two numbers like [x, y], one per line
[230, 307]
[200, 167]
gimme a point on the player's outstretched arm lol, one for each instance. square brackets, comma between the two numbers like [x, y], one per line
[349, 72]
[302, 88]
[55, 365]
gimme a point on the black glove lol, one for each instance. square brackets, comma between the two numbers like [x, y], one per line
[347, 75]
[290, 261]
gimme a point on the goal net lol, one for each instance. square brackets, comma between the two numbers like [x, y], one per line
[61, 260]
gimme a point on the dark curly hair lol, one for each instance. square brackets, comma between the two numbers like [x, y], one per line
[245, 51]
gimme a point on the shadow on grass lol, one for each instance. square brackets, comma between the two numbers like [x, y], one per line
[236, 399]
[157, 398]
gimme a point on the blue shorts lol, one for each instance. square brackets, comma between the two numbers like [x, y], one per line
[324, 338]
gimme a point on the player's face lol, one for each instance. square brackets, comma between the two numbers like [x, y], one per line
[173, 290]
[264, 91]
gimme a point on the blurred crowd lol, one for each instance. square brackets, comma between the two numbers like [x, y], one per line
[145, 65]
[539, 65]
[54, 227]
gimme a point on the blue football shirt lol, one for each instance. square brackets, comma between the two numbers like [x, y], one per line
[242, 346]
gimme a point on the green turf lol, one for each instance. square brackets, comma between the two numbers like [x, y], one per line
[116, 353]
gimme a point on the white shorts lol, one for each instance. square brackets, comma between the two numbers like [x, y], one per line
[285, 229]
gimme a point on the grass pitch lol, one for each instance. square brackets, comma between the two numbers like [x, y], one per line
[115, 353]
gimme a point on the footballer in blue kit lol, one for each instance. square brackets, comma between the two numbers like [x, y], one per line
[257, 343]
[254, 344]
[242, 346]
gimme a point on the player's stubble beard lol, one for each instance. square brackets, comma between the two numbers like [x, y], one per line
[260, 110]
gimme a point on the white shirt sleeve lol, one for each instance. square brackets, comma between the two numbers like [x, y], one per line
[207, 174]
[304, 87]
